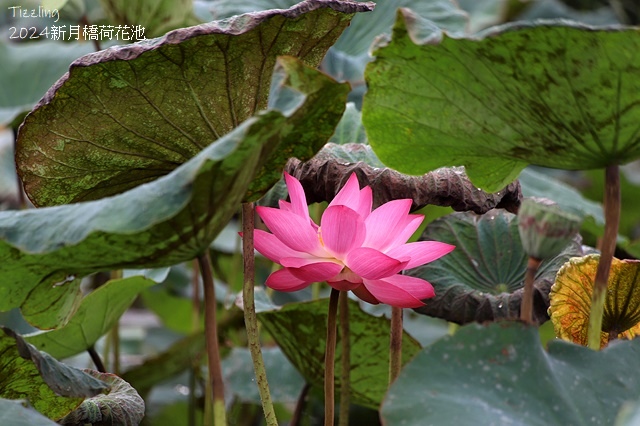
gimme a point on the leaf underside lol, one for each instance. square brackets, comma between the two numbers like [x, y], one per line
[571, 300]
[327, 172]
[300, 330]
[483, 278]
[130, 114]
[557, 94]
[162, 223]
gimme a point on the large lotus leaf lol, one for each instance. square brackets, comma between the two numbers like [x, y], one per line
[556, 94]
[593, 184]
[18, 413]
[500, 374]
[183, 354]
[285, 382]
[350, 128]
[483, 278]
[350, 54]
[571, 300]
[162, 223]
[538, 184]
[300, 330]
[324, 175]
[120, 406]
[28, 69]
[97, 314]
[156, 17]
[53, 388]
[129, 114]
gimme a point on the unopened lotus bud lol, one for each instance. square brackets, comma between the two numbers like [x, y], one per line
[545, 229]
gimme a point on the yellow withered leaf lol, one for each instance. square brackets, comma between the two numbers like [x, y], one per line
[571, 300]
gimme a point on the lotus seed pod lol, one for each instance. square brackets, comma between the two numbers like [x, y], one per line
[545, 229]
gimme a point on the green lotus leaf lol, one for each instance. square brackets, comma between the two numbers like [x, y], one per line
[349, 56]
[178, 358]
[300, 330]
[28, 69]
[53, 388]
[19, 413]
[156, 17]
[162, 223]
[97, 314]
[571, 300]
[541, 185]
[555, 94]
[483, 278]
[130, 114]
[120, 406]
[285, 382]
[501, 374]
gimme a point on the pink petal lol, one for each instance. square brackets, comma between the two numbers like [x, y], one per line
[366, 202]
[353, 197]
[283, 280]
[342, 230]
[401, 291]
[365, 295]
[385, 222]
[293, 230]
[297, 196]
[349, 195]
[345, 280]
[406, 230]
[421, 252]
[371, 264]
[300, 261]
[272, 248]
[316, 272]
[344, 285]
[285, 205]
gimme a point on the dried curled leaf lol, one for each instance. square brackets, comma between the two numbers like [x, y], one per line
[121, 406]
[571, 300]
[327, 172]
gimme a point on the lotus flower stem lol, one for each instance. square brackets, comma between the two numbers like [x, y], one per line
[395, 347]
[612, 221]
[345, 374]
[211, 334]
[250, 318]
[526, 309]
[329, 358]
[297, 413]
[195, 318]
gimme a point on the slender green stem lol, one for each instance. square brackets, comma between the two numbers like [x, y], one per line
[329, 358]
[526, 307]
[250, 318]
[612, 221]
[345, 374]
[114, 334]
[211, 334]
[115, 340]
[395, 346]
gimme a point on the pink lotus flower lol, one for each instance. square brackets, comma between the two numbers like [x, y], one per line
[354, 248]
